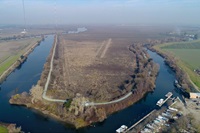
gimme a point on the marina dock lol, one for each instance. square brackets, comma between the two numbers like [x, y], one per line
[139, 121]
[168, 95]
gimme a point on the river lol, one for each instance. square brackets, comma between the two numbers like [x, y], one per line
[32, 121]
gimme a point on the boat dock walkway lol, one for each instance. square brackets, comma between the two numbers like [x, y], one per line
[168, 95]
[139, 121]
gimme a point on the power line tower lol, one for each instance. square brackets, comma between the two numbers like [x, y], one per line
[55, 17]
[24, 31]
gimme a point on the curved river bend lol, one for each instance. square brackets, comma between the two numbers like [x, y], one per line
[31, 121]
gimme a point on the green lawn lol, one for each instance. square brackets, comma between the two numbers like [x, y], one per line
[188, 54]
[3, 129]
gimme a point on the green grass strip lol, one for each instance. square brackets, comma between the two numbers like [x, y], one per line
[3, 129]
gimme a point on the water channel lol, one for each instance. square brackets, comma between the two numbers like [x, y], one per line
[32, 121]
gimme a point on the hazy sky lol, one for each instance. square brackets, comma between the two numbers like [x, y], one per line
[100, 11]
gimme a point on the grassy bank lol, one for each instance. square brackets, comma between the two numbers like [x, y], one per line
[3, 129]
[12, 50]
[4, 66]
[187, 56]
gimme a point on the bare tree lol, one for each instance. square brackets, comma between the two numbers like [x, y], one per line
[36, 93]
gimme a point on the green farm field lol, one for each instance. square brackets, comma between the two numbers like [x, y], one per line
[188, 55]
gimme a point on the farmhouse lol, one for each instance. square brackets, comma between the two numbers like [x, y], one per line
[194, 95]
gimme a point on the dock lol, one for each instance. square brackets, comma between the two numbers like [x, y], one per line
[168, 95]
[139, 121]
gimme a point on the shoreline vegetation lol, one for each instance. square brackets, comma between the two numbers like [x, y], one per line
[74, 112]
[177, 65]
[18, 60]
[186, 77]
[9, 128]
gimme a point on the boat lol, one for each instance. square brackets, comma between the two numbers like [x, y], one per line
[169, 94]
[176, 84]
[160, 120]
[122, 129]
[150, 126]
[157, 122]
[173, 109]
[160, 102]
[164, 118]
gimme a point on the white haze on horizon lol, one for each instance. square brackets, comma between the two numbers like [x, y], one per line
[100, 12]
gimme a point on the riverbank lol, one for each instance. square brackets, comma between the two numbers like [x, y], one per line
[181, 76]
[79, 115]
[18, 61]
[186, 55]
[9, 128]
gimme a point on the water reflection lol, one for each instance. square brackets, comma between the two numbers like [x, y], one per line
[79, 30]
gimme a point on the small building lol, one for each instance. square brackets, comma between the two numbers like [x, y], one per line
[195, 95]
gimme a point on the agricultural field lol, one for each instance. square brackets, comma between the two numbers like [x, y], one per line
[10, 51]
[10, 32]
[187, 54]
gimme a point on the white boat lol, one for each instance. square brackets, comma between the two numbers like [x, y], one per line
[173, 109]
[122, 129]
[169, 94]
[150, 126]
[160, 102]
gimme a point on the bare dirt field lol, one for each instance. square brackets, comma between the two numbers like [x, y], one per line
[94, 68]
[95, 63]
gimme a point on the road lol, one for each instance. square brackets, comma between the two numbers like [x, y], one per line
[44, 96]
[49, 77]
[111, 102]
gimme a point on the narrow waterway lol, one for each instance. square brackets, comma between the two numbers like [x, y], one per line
[31, 121]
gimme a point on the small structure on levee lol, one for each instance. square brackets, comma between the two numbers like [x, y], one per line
[24, 32]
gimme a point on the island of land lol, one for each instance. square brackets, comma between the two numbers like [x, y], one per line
[92, 74]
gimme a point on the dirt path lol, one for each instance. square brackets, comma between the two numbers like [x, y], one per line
[106, 48]
[98, 53]
[49, 77]
[111, 102]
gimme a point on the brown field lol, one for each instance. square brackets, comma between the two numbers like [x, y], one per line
[96, 63]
